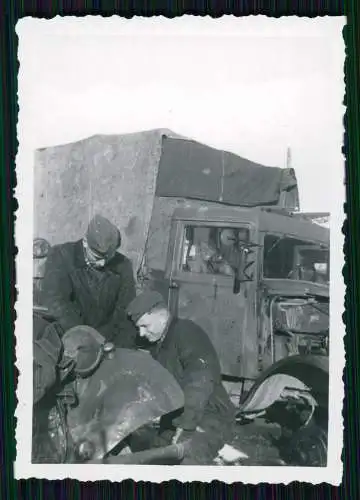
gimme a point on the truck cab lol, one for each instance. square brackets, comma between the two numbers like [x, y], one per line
[255, 279]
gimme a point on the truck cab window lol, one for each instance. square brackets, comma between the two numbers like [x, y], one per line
[289, 258]
[213, 250]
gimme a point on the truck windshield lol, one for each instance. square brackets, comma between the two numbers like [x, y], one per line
[290, 258]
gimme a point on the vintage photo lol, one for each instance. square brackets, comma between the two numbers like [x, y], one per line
[183, 238]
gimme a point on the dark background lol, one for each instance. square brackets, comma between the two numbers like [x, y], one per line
[10, 489]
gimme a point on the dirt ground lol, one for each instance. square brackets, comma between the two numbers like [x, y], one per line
[254, 439]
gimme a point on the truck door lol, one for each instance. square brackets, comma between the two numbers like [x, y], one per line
[213, 282]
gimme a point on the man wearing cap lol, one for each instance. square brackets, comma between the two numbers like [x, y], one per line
[88, 282]
[184, 349]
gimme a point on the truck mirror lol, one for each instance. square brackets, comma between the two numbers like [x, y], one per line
[241, 268]
[189, 233]
[236, 286]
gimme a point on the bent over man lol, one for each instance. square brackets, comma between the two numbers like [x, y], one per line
[185, 350]
[88, 282]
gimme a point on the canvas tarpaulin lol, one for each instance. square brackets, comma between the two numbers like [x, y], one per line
[114, 175]
[192, 170]
[136, 180]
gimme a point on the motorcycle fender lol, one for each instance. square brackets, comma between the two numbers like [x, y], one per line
[309, 373]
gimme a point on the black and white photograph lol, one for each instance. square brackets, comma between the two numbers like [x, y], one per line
[180, 190]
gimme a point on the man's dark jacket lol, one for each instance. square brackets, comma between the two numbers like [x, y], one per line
[188, 354]
[77, 294]
[47, 350]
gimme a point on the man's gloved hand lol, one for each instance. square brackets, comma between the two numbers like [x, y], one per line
[183, 436]
[178, 433]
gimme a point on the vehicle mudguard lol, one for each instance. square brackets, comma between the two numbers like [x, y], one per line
[301, 371]
[126, 392]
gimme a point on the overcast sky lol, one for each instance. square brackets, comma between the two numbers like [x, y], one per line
[251, 86]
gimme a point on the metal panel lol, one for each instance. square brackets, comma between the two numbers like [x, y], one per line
[228, 318]
[125, 393]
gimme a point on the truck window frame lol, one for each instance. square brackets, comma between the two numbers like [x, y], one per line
[306, 242]
[175, 270]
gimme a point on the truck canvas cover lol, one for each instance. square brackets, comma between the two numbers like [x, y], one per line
[136, 180]
[192, 170]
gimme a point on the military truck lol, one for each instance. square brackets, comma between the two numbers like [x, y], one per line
[223, 240]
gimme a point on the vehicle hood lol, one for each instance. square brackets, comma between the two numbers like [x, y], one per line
[294, 288]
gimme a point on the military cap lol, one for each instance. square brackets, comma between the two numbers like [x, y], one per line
[102, 236]
[143, 304]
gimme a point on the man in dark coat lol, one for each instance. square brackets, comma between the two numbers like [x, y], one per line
[88, 282]
[47, 350]
[185, 350]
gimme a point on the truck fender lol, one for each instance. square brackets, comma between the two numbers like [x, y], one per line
[303, 372]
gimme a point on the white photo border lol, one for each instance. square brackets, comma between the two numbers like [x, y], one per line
[331, 474]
